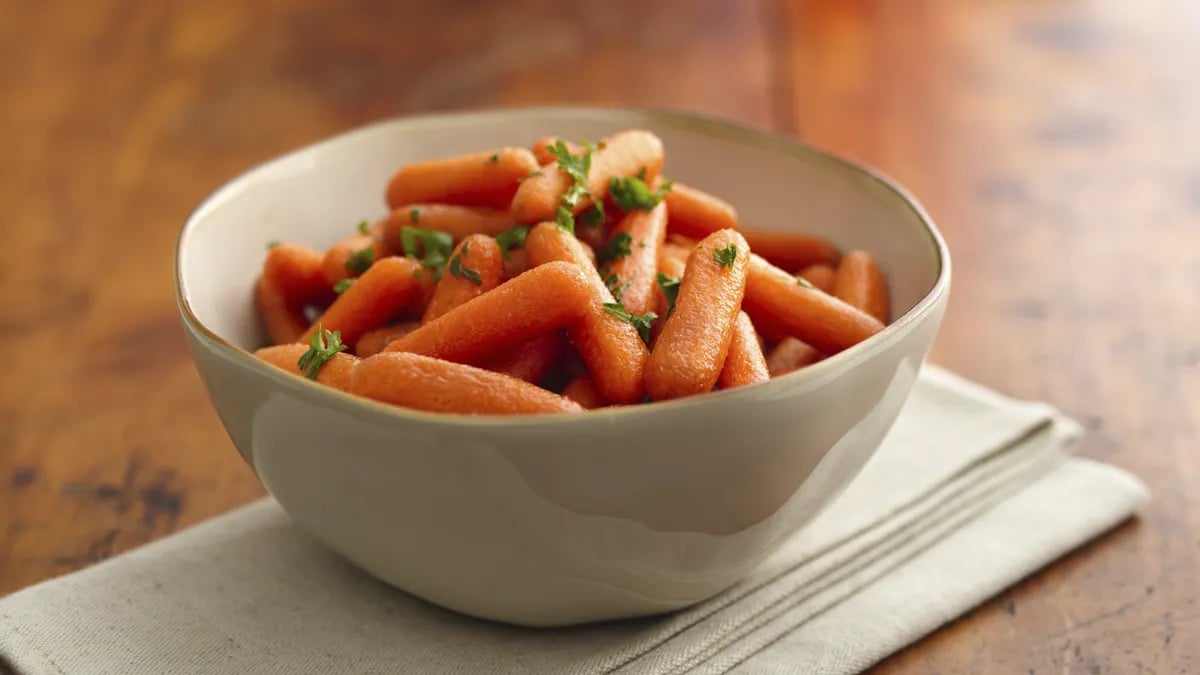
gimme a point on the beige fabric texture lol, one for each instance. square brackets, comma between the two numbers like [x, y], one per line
[970, 492]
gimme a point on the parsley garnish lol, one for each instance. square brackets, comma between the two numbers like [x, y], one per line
[529, 175]
[577, 167]
[360, 260]
[641, 322]
[461, 272]
[431, 247]
[633, 193]
[324, 345]
[593, 217]
[613, 282]
[341, 286]
[272, 244]
[363, 227]
[495, 158]
[725, 256]
[617, 247]
[414, 215]
[511, 238]
[801, 281]
[670, 289]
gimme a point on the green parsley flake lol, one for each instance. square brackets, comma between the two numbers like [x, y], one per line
[618, 247]
[613, 282]
[324, 345]
[511, 238]
[593, 217]
[529, 175]
[577, 168]
[725, 256]
[272, 244]
[641, 322]
[431, 247]
[360, 260]
[414, 215]
[670, 290]
[363, 227]
[801, 281]
[633, 193]
[341, 286]
[495, 158]
[456, 268]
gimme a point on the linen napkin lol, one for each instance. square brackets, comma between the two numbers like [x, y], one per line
[969, 492]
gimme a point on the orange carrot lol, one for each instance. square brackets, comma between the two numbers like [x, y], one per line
[820, 276]
[791, 251]
[424, 383]
[516, 263]
[643, 233]
[350, 257]
[457, 221]
[623, 154]
[773, 297]
[335, 372]
[532, 361]
[539, 301]
[583, 391]
[588, 252]
[541, 149]
[697, 214]
[475, 268]
[860, 283]
[377, 296]
[789, 355]
[296, 271]
[283, 322]
[483, 179]
[610, 347]
[675, 251]
[745, 363]
[694, 342]
[373, 341]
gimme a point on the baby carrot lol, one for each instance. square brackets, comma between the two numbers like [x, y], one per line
[335, 372]
[624, 154]
[671, 271]
[532, 361]
[541, 149]
[675, 251]
[377, 296]
[475, 268]
[789, 355]
[745, 363]
[516, 263]
[820, 276]
[457, 221]
[483, 179]
[860, 283]
[373, 341]
[350, 257]
[296, 272]
[424, 383]
[694, 342]
[539, 301]
[774, 297]
[636, 261]
[697, 214]
[283, 322]
[583, 391]
[792, 252]
[610, 346]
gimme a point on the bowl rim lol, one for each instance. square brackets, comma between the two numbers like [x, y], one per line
[709, 125]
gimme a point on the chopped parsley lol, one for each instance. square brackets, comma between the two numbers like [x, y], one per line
[414, 215]
[725, 256]
[272, 244]
[511, 238]
[324, 345]
[363, 227]
[613, 282]
[617, 247]
[577, 168]
[641, 322]
[495, 158]
[360, 260]
[431, 247]
[457, 269]
[529, 175]
[633, 193]
[341, 286]
[670, 290]
[593, 217]
[801, 281]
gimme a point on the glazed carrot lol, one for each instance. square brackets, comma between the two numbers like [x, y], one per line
[483, 179]
[623, 154]
[789, 355]
[697, 214]
[674, 250]
[583, 391]
[588, 252]
[596, 236]
[373, 341]
[377, 296]
[424, 383]
[819, 275]
[539, 301]
[475, 268]
[296, 272]
[541, 149]
[643, 233]
[861, 283]
[350, 258]
[457, 221]
[745, 363]
[610, 347]
[694, 342]
[672, 269]
[532, 361]
[773, 297]
[516, 263]
[791, 251]
[335, 372]
[283, 322]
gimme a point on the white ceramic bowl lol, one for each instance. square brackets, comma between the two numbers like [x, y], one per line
[550, 520]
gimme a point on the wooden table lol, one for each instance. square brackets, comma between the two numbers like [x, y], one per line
[1057, 144]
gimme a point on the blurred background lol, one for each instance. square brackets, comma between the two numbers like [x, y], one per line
[1056, 142]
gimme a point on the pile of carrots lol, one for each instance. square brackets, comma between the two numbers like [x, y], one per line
[559, 278]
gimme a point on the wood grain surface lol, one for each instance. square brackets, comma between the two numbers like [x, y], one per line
[1056, 143]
